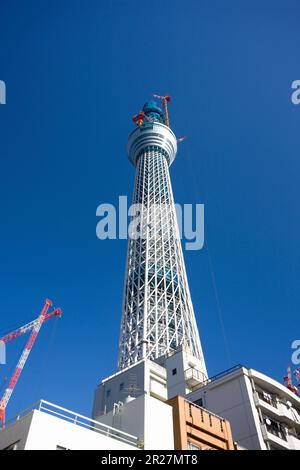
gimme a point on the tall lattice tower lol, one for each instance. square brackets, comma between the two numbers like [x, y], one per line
[158, 315]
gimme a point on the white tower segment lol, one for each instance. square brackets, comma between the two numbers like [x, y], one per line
[158, 315]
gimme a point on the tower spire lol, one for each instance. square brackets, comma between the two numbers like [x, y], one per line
[158, 316]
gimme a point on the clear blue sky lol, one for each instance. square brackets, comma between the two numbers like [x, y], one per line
[76, 71]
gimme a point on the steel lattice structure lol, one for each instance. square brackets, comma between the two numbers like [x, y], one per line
[158, 315]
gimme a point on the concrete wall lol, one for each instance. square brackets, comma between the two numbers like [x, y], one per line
[147, 418]
[143, 377]
[16, 432]
[117, 387]
[176, 382]
[182, 362]
[159, 425]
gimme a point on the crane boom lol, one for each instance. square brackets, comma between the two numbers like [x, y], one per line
[25, 328]
[35, 326]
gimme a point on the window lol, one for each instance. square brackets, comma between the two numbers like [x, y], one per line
[174, 371]
[122, 386]
[107, 393]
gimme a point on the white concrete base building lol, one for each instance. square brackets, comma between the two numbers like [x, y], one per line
[146, 417]
[263, 413]
[133, 400]
[49, 427]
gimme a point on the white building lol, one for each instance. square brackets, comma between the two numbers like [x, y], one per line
[263, 413]
[133, 400]
[143, 377]
[45, 426]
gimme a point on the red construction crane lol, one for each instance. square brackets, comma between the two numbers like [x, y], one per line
[34, 327]
[297, 375]
[139, 118]
[165, 100]
[288, 382]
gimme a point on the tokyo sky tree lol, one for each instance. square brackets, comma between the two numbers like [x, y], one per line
[158, 315]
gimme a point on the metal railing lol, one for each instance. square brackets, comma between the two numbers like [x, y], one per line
[277, 429]
[204, 410]
[268, 398]
[193, 373]
[217, 376]
[77, 419]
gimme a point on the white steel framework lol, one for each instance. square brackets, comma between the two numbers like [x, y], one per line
[158, 315]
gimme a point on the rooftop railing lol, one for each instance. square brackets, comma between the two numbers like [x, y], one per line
[218, 376]
[76, 419]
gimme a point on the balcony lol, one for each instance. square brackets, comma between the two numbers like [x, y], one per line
[267, 398]
[194, 377]
[289, 413]
[277, 407]
[275, 433]
[276, 429]
[280, 437]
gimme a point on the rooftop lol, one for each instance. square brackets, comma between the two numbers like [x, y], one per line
[74, 418]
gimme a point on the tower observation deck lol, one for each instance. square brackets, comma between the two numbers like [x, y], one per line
[158, 316]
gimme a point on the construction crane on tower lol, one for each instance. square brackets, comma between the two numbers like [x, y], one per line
[165, 100]
[34, 326]
[141, 117]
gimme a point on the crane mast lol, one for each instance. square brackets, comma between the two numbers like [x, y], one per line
[34, 327]
[288, 381]
[165, 100]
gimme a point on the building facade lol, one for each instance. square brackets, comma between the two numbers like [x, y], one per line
[264, 414]
[198, 429]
